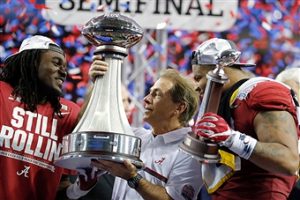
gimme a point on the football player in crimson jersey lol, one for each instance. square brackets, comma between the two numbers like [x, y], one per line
[33, 119]
[256, 122]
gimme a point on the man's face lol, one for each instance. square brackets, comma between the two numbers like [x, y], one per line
[52, 72]
[200, 78]
[126, 100]
[158, 103]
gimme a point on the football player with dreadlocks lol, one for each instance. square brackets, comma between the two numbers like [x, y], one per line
[33, 119]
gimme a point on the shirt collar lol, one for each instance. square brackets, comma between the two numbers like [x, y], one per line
[175, 135]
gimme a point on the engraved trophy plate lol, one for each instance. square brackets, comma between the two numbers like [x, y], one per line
[103, 131]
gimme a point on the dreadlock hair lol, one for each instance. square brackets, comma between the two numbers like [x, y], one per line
[21, 72]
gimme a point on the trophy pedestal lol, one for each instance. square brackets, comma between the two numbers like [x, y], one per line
[204, 151]
[80, 148]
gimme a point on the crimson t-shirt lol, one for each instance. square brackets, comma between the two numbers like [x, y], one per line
[29, 144]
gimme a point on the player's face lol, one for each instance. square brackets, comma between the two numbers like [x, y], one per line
[200, 78]
[126, 100]
[52, 72]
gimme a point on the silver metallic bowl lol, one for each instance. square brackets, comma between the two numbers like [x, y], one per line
[80, 148]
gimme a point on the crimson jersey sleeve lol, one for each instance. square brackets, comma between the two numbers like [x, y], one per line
[271, 95]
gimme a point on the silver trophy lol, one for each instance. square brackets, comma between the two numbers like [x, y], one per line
[104, 132]
[220, 53]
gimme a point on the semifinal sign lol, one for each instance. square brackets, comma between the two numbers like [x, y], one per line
[201, 15]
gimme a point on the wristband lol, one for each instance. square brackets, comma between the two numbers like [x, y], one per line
[241, 144]
[74, 191]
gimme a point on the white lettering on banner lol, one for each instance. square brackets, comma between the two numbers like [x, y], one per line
[202, 15]
[31, 134]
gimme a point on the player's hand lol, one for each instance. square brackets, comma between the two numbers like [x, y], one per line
[98, 67]
[86, 180]
[88, 177]
[123, 170]
[213, 127]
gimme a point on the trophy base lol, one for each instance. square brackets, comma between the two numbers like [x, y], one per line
[204, 151]
[80, 148]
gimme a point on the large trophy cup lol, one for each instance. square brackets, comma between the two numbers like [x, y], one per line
[104, 132]
[220, 56]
